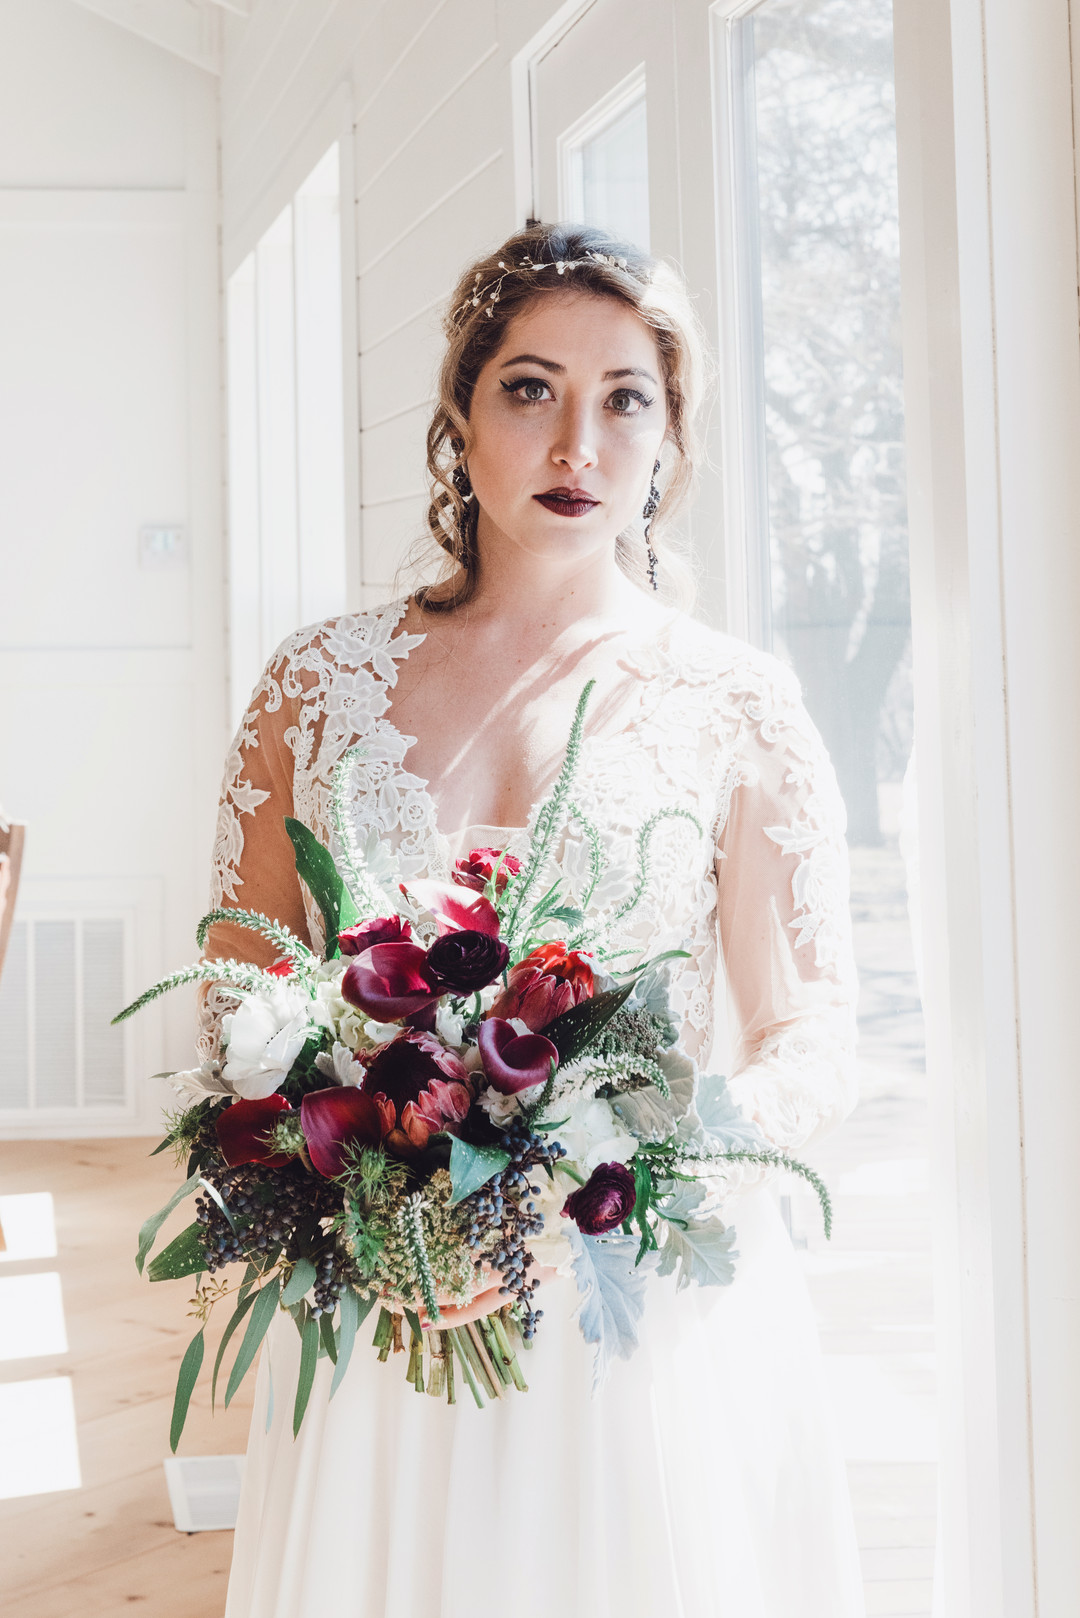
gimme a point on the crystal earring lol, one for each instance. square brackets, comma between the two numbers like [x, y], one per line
[648, 513]
[461, 481]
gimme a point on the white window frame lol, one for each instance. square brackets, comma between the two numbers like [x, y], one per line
[619, 99]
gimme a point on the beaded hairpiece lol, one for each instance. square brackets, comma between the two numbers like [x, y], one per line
[488, 295]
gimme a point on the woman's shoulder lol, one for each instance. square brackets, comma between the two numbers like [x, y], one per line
[711, 658]
[345, 643]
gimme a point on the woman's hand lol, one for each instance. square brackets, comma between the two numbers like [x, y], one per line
[486, 1301]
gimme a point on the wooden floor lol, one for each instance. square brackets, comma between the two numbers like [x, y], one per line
[111, 1545]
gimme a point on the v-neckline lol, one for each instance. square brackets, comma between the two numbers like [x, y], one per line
[444, 842]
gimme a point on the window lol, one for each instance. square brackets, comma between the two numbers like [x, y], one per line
[604, 164]
[286, 429]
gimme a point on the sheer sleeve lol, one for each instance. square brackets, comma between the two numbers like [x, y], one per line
[785, 929]
[253, 865]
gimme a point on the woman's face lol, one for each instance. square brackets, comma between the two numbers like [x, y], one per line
[567, 421]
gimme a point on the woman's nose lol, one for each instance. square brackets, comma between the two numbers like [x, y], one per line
[575, 444]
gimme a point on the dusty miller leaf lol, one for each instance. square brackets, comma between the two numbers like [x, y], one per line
[703, 1251]
[613, 1295]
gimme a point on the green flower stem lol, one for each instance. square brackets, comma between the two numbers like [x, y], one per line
[494, 1354]
[506, 1350]
[448, 1361]
[455, 1335]
[479, 1360]
[383, 1334]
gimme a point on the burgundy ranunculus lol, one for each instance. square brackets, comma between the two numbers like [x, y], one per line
[389, 981]
[455, 909]
[464, 961]
[366, 934]
[513, 1061]
[544, 985]
[481, 865]
[605, 1200]
[340, 1117]
[420, 1087]
[242, 1130]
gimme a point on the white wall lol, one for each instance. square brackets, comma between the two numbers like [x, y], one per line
[112, 715]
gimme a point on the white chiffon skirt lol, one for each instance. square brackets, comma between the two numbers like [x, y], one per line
[704, 1481]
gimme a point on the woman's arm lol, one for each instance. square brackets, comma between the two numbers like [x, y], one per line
[785, 930]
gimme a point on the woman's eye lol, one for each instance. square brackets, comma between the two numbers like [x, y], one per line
[529, 389]
[628, 402]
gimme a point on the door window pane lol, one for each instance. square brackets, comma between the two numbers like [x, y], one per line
[814, 171]
[610, 176]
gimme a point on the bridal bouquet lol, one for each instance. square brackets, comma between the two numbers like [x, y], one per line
[461, 1089]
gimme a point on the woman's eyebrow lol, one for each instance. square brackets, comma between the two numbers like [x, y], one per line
[630, 370]
[534, 359]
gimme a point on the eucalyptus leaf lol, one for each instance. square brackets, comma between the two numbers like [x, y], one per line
[190, 1366]
[612, 1285]
[262, 1314]
[326, 1332]
[473, 1166]
[185, 1255]
[151, 1226]
[354, 1311]
[242, 1307]
[309, 1358]
[299, 1283]
[316, 869]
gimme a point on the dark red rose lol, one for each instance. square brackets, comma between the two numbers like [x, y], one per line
[242, 1130]
[605, 1201]
[513, 1061]
[420, 1088]
[454, 909]
[389, 981]
[464, 961]
[366, 934]
[340, 1117]
[544, 985]
[481, 865]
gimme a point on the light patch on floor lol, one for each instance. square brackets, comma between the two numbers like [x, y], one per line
[204, 1490]
[29, 1226]
[40, 1452]
[877, 1418]
[31, 1316]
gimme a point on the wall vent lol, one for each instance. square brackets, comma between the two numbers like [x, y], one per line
[63, 981]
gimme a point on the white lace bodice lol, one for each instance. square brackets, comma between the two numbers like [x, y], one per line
[758, 897]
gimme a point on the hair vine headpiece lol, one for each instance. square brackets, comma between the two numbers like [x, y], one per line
[488, 295]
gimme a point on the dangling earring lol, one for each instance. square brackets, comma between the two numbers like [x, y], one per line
[648, 513]
[461, 481]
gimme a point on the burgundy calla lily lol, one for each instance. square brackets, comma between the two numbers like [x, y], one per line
[455, 908]
[389, 981]
[366, 934]
[513, 1061]
[242, 1130]
[340, 1117]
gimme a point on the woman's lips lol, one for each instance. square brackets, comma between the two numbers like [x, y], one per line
[567, 502]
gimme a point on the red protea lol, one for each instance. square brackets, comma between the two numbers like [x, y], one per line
[544, 985]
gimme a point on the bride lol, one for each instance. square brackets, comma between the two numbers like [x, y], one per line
[704, 1479]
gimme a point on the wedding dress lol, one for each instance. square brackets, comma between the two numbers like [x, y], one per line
[704, 1479]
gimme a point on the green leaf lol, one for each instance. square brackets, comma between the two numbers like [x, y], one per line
[354, 1311]
[237, 1316]
[575, 1030]
[299, 1282]
[262, 1314]
[190, 1366]
[152, 1225]
[309, 1358]
[326, 1332]
[473, 1166]
[315, 867]
[185, 1255]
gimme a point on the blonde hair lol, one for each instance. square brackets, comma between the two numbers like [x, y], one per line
[491, 292]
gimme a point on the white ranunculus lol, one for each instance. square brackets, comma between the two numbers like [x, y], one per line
[341, 1065]
[264, 1036]
[450, 1026]
[553, 1247]
[592, 1134]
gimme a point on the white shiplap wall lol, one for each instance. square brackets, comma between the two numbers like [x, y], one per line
[429, 86]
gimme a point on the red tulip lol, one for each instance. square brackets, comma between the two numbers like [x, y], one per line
[544, 985]
[335, 1119]
[455, 910]
[420, 1087]
[512, 1061]
[389, 981]
[242, 1130]
[482, 864]
[366, 934]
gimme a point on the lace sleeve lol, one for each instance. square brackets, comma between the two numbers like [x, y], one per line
[785, 928]
[253, 865]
